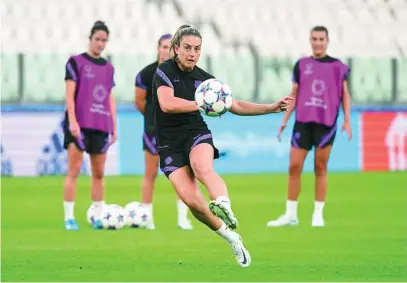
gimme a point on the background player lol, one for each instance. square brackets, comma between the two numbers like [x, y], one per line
[185, 143]
[319, 87]
[144, 80]
[90, 119]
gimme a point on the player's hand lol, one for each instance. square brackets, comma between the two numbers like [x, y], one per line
[280, 131]
[346, 127]
[113, 138]
[283, 104]
[75, 129]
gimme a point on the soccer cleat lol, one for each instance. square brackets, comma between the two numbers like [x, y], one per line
[222, 209]
[185, 224]
[242, 255]
[71, 225]
[97, 225]
[318, 221]
[283, 220]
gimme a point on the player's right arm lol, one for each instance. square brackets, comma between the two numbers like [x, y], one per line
[141, 91]
[169, 103]
[71, 79]
[293, 94]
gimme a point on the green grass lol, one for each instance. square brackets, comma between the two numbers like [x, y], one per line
[365, 238]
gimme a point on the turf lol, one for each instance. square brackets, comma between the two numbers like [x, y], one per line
[365, 238]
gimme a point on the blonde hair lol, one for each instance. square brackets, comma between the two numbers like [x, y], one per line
[180, 33]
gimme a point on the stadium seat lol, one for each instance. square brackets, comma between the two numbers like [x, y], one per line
[9, 77]
[275, 28]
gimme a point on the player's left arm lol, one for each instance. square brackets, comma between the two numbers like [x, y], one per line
[245, 108]
[346, 104]
[113, 112]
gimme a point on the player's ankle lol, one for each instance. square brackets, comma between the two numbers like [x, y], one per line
[291, 209]
[226, 233]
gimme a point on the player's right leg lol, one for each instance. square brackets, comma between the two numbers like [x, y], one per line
[75, 158]
[147, 185]
[301, 143]
[183, 180]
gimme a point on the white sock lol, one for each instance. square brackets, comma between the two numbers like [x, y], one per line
[223, 198]
[149, 207]
[226, 233]
[319, 207]
[68, 210]
[98, 209]
[291, 208]
[182, 210]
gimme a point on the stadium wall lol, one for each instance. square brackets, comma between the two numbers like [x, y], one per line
[32, 143]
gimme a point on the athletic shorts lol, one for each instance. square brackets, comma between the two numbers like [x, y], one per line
[308, 135]
[173, 160]
[91, 141]
[150, 143]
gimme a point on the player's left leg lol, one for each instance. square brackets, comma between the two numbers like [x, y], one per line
[323, 137]
[98, 146]
[98, 187]
[201, 160]
[321, 183]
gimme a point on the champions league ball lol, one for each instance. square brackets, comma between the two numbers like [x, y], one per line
[213, 97]
[113, 217]
[137, 216]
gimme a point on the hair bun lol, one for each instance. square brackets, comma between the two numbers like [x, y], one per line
[99, 24]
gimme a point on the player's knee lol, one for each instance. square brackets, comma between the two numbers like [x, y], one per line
[191, 201]
[295, 169]
[151, 174]
[320, 167]
[74, 170]
[201, 169]
[98, 175]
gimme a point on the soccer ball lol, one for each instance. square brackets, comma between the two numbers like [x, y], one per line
[113, 217]
[213, 97]
[137, 215]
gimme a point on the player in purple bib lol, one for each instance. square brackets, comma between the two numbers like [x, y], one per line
[319, 87]
[90, 121]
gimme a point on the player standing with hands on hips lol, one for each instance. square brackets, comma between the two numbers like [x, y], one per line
[185, 143]
[90, 121]
[319, 87]
[144, 88]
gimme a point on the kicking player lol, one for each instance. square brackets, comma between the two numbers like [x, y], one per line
[90, 122]
[185, 143]
[319, 87]
[144, 81]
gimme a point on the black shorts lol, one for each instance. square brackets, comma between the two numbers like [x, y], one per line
[150, 143]
[92, 141]
[308, 135]
[173, 160]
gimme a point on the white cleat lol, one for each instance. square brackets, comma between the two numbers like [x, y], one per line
[242, 255]
[185, 224]
[283, 220]
[318, 221]
[222, 209]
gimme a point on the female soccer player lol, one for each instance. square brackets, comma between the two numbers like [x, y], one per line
[185, 143]
[144, 81]
[90, 121]
[319, 87]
